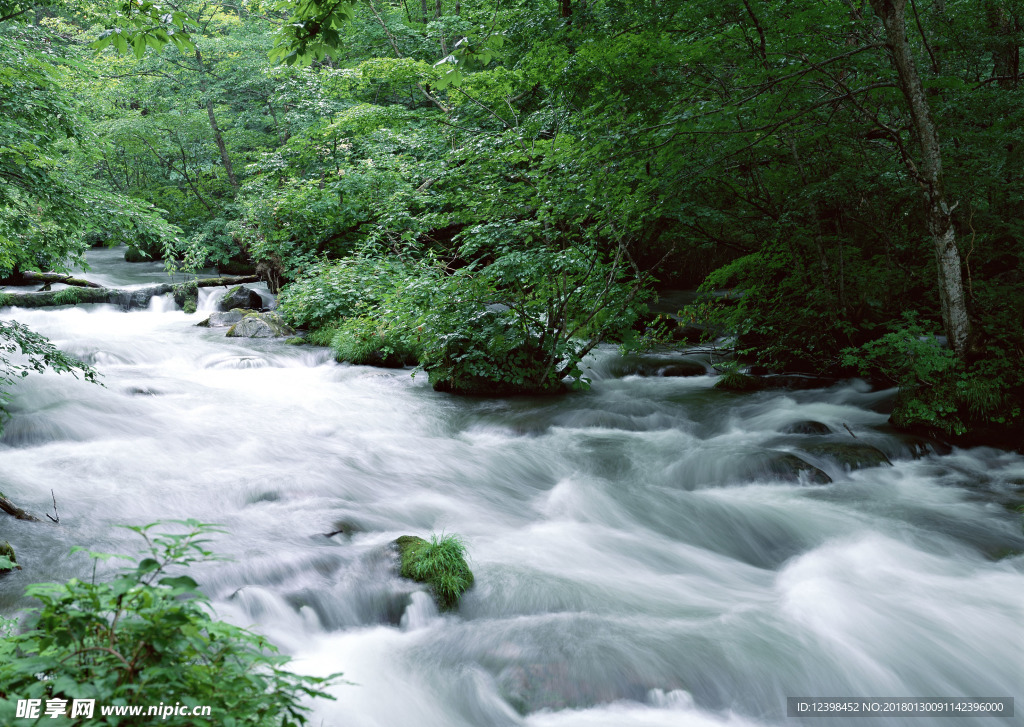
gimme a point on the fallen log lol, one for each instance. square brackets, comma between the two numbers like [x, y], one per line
[16, 512]
[28, 278]
[128, 299]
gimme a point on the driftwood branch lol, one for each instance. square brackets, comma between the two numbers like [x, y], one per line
[126, 298]
[16, 512]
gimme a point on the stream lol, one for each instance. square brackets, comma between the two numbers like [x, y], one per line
[646, 553]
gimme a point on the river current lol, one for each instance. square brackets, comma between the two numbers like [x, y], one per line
[643, 556]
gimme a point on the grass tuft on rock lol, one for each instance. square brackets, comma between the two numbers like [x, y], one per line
[440, 563]
[735, 381]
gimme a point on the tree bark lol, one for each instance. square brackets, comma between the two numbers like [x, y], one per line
[938, 209]
[218, 137]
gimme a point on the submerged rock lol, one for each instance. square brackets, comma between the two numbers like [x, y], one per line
[241, 297]
[849, 455]
[790, 468]
[261, 325]
[806, 426]
[652, 366]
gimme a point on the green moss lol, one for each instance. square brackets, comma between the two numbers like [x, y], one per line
[440, 563]
[190, 306]
[134, 255]
[68, 296]
[735, 381]
[8, 562]
[296, 341]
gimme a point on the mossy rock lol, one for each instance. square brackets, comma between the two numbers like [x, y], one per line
[296, 341]
[735, 381]
[440, 563]
[134, 255]
[261, 325]
[7, 551]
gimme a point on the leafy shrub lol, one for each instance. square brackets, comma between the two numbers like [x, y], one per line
[147, 637]
[366, 341]
[440, 563]
[936, 388]
[525, 322]
[351, 287]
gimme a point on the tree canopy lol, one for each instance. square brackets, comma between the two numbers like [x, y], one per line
[461, 171]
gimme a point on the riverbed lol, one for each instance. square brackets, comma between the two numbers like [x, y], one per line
[644, 552]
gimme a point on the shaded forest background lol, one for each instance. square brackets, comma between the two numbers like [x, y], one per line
[489, 189]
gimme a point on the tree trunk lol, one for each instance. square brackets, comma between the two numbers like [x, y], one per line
[1004, 28]
[929, 176]
[218, 137]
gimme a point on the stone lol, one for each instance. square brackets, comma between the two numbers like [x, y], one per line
[241, 297]
[261, 325]
[8, 551]
[849, 455]
[806, 427]
[220, 319]
[790, 468]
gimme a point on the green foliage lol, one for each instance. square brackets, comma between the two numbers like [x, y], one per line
[8, 563]
[526, 321]
[440, 563]
[936, 388]
[366, 341]
[146, 636]
[349, 288]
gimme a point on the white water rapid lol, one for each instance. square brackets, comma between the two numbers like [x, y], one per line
[643, 554]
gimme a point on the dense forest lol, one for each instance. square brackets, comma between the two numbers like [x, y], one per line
[615, 243]
[490, 189]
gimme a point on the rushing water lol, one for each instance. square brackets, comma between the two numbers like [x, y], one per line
[641, 555]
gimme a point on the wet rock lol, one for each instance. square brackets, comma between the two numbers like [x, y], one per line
[683, 368]
[735, 381]
[7, 551]
[788, 467]
[346, 528]
[261, 325]
[241, 297]
[849, 455]
[795, 382]
[220, 319]
[806, 426]
[637, 366]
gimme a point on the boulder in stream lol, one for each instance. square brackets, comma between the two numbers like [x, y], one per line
[261, 325]
[806, 426]
[848, 455]
[6, 551]
[241, 297]
[440, 563]
[221, 319]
